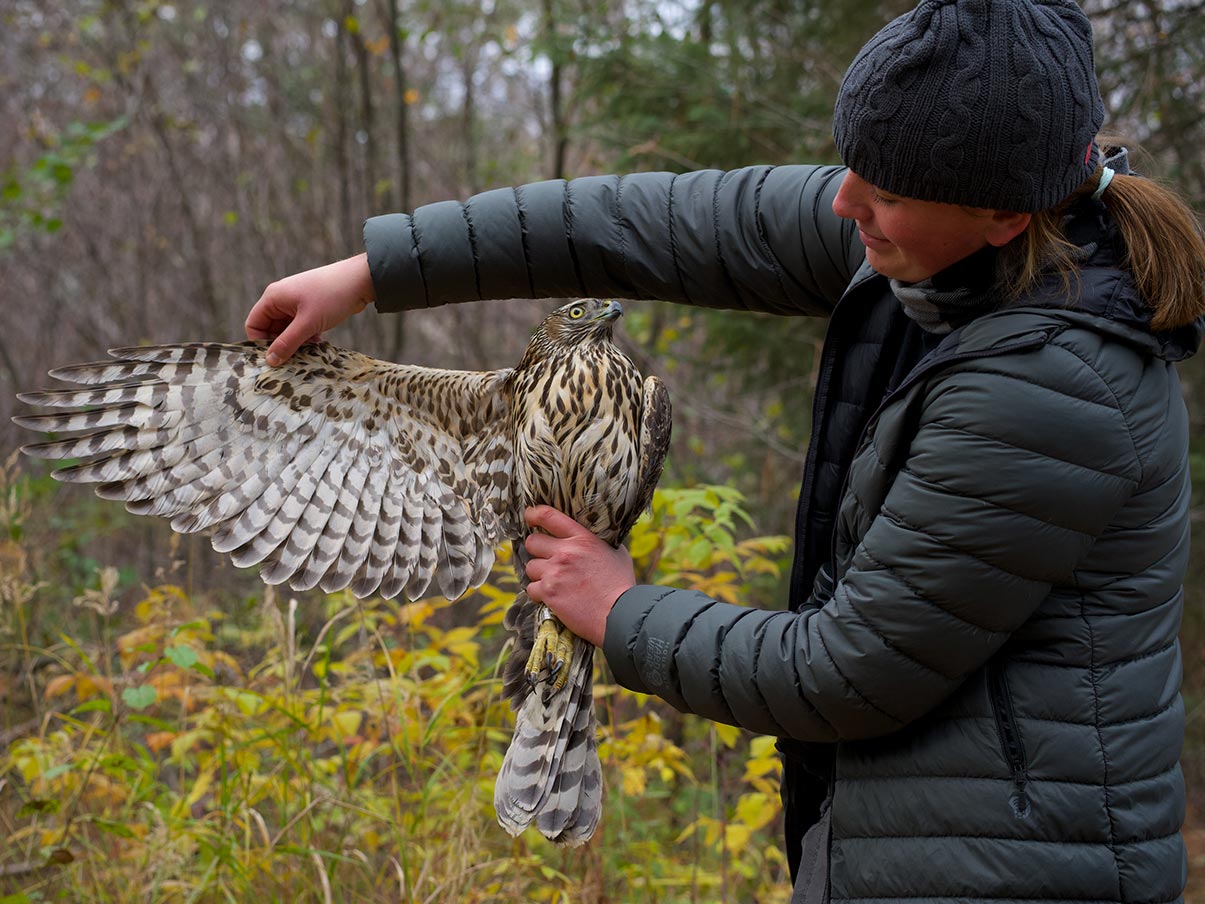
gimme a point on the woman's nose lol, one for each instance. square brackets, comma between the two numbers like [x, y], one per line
[852, 199]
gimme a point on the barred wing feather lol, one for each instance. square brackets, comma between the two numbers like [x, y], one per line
[334, 470]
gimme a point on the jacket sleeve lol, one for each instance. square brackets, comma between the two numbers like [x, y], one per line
[998, 499]
[760, 238]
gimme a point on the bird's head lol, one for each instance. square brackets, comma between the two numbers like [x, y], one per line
[584, 320]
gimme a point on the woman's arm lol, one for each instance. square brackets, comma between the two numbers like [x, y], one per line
[759, 238]
[1000, 497]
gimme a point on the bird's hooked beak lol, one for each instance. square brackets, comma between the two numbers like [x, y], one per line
[612, 312]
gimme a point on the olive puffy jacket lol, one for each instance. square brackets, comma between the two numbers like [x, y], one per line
[992, 538]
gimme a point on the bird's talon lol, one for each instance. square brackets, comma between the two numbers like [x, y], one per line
[560, 677]
[551, 651]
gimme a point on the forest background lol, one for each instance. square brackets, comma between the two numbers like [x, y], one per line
[169, 730]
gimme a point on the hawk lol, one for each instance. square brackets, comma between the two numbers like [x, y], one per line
[337, 470]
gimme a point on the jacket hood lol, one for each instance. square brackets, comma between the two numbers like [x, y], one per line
[1108, 300]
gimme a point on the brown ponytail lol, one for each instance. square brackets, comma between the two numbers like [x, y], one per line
[1164, 247]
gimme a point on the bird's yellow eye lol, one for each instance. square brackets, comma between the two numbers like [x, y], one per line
[577, 312]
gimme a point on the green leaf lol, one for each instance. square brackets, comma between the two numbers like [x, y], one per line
[139, 697]
[113, 828]
[37, 805]
[183, 657]
[91, 706]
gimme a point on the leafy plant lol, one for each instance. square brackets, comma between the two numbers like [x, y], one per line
[181, 756]
[30, 198]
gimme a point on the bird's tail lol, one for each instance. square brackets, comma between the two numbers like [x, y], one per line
[551, 775]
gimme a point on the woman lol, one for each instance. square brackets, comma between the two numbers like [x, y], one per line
[976, 686]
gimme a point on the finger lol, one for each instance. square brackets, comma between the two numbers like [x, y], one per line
[535, 569]
[554, 522]
[293, 337]
[535, 591]
[541, 546]
[262, 322]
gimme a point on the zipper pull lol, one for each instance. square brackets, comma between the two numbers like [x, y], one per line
[1019, 799]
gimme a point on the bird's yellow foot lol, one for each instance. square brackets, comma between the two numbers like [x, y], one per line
[552, 650]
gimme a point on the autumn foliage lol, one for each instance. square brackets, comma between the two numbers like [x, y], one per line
[174, 751]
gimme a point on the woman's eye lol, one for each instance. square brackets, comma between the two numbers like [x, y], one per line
[577, 313]
[879, 199]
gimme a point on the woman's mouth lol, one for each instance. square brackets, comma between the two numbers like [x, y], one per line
[872, 241]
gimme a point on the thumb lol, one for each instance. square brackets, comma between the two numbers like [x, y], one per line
[291, 339]
[554, 522]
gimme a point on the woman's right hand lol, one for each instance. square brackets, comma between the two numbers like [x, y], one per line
[298, 308]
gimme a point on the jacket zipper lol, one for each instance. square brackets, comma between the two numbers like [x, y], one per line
[796, 591]
[1001, 701]
[1010, 739]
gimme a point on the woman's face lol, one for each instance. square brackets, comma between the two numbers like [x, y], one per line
[910, 240]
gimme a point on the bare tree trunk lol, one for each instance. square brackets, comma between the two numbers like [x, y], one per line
[560, 140]
[401, 108]
[367, 120]
[400, 193]
[342, 163]
[469, 121]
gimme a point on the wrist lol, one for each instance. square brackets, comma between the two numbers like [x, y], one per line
[360, 276]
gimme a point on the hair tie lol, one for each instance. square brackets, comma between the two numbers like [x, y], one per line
[1106, 176]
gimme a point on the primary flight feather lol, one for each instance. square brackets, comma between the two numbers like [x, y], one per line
[337, 470]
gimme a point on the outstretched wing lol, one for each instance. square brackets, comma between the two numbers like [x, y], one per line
[333, 470]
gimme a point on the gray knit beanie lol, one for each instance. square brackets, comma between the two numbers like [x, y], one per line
[987, 103]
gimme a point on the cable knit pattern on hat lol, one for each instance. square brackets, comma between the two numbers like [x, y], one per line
[988, 103]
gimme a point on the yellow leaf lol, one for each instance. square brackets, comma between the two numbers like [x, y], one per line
[728, 734]
[157, 740]
[414, 614]
[347, 723]
[634, 782]
[643, 544]
[756, 809]
[736, 837]
[88, 686]
[411, 96]
[199, 789]
[762, 747]
[58, 686]
[248, 702]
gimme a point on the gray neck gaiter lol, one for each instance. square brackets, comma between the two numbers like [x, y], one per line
[949, 299]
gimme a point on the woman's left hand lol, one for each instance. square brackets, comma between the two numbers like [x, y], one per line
[577, 575]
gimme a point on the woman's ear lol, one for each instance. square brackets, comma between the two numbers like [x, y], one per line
[1005, 226]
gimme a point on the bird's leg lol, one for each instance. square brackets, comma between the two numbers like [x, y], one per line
[552, 650]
